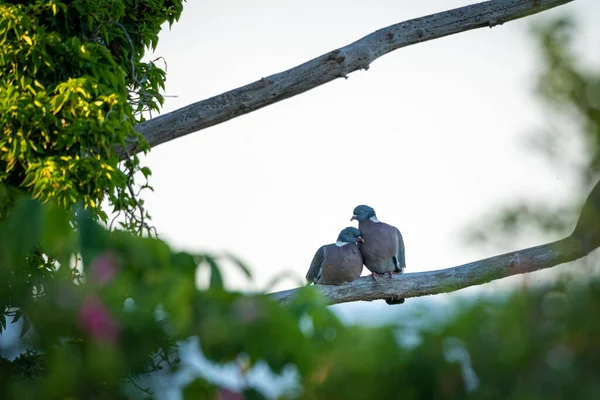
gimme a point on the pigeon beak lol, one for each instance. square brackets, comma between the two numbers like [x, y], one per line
[361, 240]
[353, 218]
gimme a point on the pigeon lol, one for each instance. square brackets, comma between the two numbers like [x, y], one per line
[337, 263]
[383, 249]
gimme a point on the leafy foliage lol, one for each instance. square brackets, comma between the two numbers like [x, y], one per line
[72, 86]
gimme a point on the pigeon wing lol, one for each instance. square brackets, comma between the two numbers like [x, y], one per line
[314, 272]
[400, 256]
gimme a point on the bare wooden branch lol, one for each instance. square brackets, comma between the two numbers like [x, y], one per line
[584, 239]
[446, 280]
[335, 64]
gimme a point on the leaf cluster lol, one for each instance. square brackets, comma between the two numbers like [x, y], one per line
[72, 86]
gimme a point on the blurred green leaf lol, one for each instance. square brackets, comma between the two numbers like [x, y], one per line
[92, 238]
[26, 327]
[2, 321]
[184, 262]
[17, 317]
[200, 389]
[58, 235]
[252, 394]
[23, 230]
[216, 281]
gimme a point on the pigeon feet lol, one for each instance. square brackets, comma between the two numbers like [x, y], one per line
[373, 274]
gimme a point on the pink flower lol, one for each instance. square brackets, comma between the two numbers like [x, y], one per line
[103, 268]
[96, 320]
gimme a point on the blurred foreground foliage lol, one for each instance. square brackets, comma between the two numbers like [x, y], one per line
[99, 308]
[84, 344]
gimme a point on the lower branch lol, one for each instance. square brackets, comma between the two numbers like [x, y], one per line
[447, 280]
[584, 239]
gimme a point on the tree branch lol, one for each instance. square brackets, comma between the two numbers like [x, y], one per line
[335, 64]
[584, 239]
[446, 280]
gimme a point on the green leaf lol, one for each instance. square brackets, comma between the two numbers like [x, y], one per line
[199, 389]
[146, 171]
[216, 281]
[184, 262]
[17, 317]
[23, 230]
[57, 235]
[2, 320]
[26, 327]
[92, 237]
[252, 394]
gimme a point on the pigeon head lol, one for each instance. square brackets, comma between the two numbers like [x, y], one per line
[363, 213]
[350, 235]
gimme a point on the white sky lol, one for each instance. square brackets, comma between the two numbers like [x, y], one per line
[432, 136]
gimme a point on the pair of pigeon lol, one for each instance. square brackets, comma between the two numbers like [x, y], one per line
[376, 244]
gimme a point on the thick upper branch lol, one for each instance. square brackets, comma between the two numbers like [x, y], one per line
[333, 65]
[584, 239]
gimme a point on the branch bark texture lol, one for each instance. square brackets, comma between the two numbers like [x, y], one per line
[584, 239]
[335, 64]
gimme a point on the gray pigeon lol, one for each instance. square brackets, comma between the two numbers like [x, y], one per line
[383, 249]
[337, 263]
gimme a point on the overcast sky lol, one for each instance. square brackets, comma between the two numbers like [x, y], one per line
[432, 136]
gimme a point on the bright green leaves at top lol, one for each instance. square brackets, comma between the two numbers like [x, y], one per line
[60, 119]
[72, 87]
